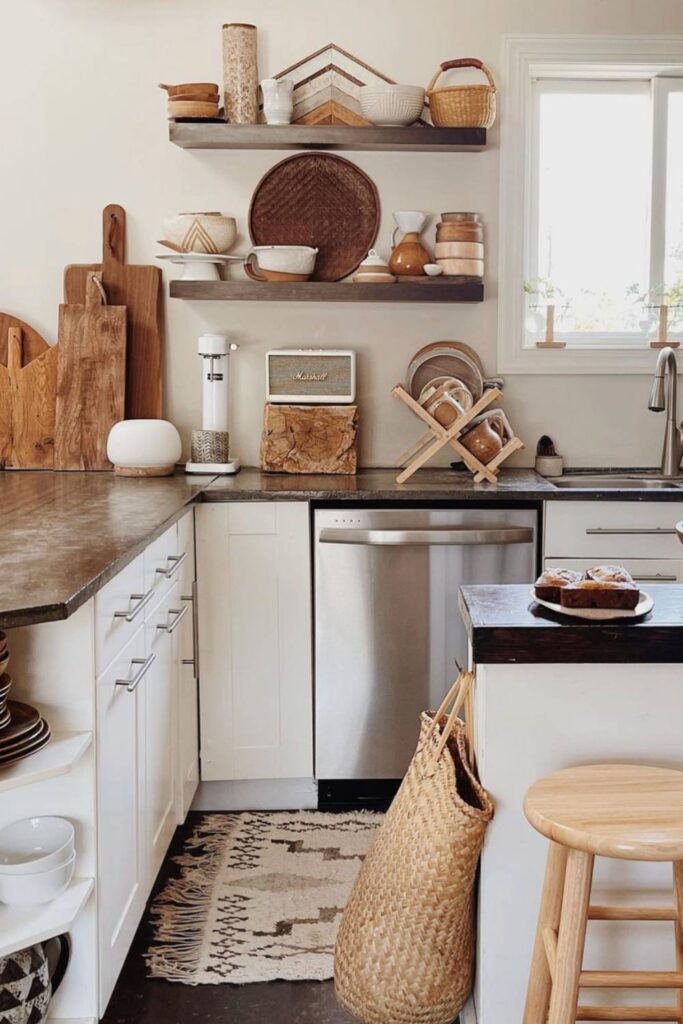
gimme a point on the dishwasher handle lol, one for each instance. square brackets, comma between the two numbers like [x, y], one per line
[435, 536]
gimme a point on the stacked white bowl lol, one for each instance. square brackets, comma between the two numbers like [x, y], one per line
[37, 860]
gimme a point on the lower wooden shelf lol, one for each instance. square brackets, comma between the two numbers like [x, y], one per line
[24, 926]
[452, 289]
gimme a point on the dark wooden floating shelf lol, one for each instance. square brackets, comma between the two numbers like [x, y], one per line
[455, 289]
[422, 138]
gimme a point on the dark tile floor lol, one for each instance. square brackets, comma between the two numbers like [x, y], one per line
[141, 1000]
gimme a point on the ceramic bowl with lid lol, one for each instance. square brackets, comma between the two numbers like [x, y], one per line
[374, 268]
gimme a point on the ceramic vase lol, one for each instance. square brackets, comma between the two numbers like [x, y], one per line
[240, 74]
[278, 103]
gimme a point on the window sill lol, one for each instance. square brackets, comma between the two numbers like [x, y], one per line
[580, 360]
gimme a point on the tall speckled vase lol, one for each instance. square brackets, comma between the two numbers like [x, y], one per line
[240, 73]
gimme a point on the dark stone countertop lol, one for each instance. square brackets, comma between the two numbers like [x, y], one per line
[426, 485]
[506, 626]
[380, 485]
[63, 535]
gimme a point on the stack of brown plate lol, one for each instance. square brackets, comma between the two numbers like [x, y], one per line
[460, 244]
[193, 100]
[22, 730]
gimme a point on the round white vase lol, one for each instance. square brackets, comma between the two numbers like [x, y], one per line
[144, 448]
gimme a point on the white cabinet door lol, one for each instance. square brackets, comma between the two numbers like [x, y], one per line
[255, 650]
[611, 530]
[188, 707]
[159, 696]
[122, 885]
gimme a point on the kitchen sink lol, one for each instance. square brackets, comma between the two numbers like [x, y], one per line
[613, 481]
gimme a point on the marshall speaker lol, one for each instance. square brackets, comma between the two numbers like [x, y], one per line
[316, 376]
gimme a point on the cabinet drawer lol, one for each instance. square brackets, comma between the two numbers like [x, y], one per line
[119, 610]
[611, 530]
[163, 562]
[643, 570]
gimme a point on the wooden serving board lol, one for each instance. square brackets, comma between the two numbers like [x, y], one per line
[91, 379]
[138, 288]
[28, 384]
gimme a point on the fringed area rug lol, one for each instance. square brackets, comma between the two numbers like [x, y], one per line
[259, 897]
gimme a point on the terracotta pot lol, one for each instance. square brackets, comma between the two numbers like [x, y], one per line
[410, 256]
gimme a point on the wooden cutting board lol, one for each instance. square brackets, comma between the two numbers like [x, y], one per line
[139, 289]
[91, 379]
[28, 385]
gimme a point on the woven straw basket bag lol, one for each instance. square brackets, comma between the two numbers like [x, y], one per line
[405, 948]
[463, 106]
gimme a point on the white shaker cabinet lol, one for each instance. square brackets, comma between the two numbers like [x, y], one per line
[188, 669]
[255, 648]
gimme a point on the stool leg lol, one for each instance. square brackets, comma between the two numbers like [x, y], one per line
[538, 991]
[570, 942]
[678, 924]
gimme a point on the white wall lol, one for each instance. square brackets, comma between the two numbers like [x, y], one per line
[83, 124]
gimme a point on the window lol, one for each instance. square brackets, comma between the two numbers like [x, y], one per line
[593, 185]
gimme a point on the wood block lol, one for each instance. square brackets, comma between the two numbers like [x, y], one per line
[310, 439]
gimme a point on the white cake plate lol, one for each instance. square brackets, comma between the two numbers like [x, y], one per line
[645, 605]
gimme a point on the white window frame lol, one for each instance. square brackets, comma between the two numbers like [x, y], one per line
[525, 59]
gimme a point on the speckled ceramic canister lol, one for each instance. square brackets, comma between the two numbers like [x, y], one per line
[240, 73]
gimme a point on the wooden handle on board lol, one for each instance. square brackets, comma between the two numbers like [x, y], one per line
[113, 236]
[14, 354]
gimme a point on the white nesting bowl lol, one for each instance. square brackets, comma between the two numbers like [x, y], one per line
[391, 104]
[144, 447]
[35, 844]
[40, 887]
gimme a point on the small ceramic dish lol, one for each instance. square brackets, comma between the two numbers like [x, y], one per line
[433, 269]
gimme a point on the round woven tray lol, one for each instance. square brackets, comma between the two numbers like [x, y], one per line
[320, 200]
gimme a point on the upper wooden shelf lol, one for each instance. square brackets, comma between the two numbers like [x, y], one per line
[451, 289]
[417, 138]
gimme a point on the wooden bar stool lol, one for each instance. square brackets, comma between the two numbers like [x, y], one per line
[630, 812]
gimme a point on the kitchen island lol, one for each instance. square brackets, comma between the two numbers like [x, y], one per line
[552, 692]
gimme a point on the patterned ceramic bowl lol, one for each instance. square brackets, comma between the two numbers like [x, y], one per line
[201, 232]
[391, 104]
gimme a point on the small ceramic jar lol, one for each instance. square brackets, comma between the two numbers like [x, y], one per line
[144, 448]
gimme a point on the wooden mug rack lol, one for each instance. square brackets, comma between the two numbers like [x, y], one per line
[438, 436]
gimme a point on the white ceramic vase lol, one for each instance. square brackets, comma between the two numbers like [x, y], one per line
[278, 102]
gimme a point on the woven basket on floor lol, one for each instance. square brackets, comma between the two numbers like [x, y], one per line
[463, 106]
[405, 948]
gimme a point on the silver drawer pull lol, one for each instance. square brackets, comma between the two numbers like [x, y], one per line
[662, 531]
[188, 661]
[186, 597]
[145, 666]
[179, 613]
[132, 613]
[176, 561]
[658, 577]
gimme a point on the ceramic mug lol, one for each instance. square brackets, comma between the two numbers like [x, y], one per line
[280, 262]
[483, 442]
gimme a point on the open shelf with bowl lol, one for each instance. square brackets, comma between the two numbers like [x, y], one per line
[416, 138]
[449, 289]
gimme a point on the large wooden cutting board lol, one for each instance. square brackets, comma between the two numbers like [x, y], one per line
[139, 289]
[27, 396]
[91, 379]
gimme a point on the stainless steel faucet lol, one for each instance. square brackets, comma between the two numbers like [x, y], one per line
[660, 400]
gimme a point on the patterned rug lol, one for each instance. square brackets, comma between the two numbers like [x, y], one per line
[259, 897]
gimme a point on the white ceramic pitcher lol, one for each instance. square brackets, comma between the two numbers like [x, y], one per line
[278, 103]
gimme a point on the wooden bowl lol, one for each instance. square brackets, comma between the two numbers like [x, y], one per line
[456, 232]
[193, 88]
[192, 108]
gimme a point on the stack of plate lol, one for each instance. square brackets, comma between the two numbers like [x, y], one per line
[22, 730]
[193, 100]
[459, 245]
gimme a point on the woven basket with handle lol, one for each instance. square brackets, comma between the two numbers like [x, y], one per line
[405, 948]
[462, 106]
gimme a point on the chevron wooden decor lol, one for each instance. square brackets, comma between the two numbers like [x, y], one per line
[327, 84]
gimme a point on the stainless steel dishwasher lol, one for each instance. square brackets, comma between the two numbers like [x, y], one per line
[387, 624]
